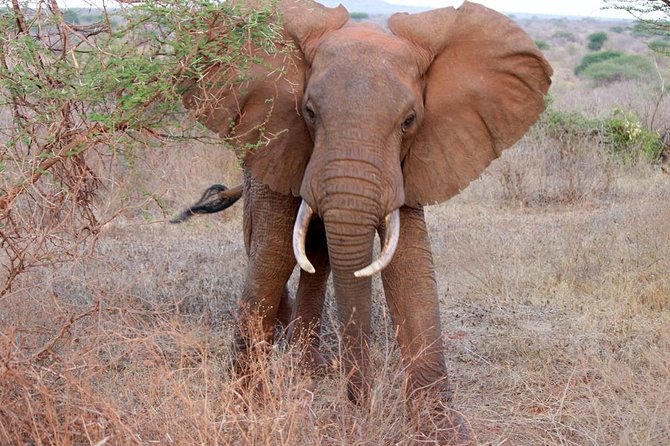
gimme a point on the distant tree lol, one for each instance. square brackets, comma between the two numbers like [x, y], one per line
[70, 16]
[597, 40]
[541, 44]
[358, 15]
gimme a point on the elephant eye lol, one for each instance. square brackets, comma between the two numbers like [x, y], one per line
[407, 123]
[309, 114]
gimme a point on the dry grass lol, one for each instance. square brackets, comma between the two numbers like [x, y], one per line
[555, 295]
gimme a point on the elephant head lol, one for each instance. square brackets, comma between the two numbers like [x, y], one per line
[363, 121]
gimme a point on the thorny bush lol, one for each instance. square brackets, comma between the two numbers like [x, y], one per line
[75, 100]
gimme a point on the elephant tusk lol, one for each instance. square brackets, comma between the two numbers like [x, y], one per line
[391, 236]
[300, 235]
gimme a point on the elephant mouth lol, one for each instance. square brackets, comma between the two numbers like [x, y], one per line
[389, 246]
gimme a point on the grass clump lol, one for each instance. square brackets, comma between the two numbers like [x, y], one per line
[566, 125]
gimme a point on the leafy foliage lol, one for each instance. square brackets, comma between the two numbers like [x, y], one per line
[597, 40]
[652, 15]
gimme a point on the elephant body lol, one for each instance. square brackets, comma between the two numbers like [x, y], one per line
[367, 126]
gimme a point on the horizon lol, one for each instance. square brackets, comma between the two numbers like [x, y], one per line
[567, 8]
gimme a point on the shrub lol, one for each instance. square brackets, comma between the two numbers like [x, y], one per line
[660, 46]
[358, 15]
[643, 29]
[622, 133]
[76, 94]
[566, 125]
[541, 44]
[624, 67]
[628, 138]
[590, 59]
[617, 29]
[597, 40]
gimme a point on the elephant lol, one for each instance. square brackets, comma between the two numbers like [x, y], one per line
[362, 127]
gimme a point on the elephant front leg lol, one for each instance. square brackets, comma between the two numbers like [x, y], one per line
[411, 294]
[268, 224]
[308, 308]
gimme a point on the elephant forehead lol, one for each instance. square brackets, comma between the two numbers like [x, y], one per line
[368, 65]
[369, 44]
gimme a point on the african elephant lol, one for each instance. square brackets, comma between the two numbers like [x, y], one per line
[366, 126]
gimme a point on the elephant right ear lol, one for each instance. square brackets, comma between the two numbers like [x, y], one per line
[261, 116]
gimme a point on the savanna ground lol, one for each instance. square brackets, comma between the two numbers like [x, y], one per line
[553, 280]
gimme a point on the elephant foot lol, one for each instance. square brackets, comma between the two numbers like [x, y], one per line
[439, 424]
[315, 362]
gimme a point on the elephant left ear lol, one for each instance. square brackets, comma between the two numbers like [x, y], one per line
[485, 85]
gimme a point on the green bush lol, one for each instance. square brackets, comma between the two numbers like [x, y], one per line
[617, 29]
[597, 40]
[643, 29]
[595, 58]
[628, 138]
[358, 15]
[622, 133]
[660, 46]
[566, 125]
[625, 67]
[541, 44]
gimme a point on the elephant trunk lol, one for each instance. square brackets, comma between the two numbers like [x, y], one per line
[354, 195]
[350, 249]
[350, 246]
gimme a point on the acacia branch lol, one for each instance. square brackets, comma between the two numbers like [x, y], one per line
[85, 136]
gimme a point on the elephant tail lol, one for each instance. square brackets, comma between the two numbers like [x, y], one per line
[216, 198]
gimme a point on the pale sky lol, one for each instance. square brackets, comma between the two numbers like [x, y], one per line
[562, 7]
